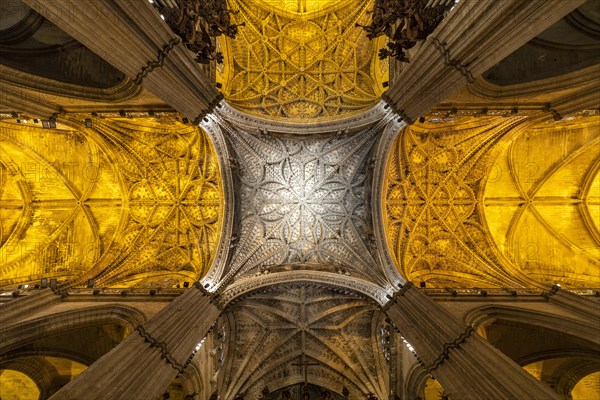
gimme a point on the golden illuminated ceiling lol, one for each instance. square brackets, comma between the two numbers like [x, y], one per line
[487, 202]
[301, 59]
[542, 202]
[131, 202]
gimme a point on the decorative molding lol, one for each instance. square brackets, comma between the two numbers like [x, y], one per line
[456, 64]
[23, 81]
[316, 129]
[445, 354]
[573, 81]
[338, 281]
[161, 346]
[160, 59]
[383, 149]
[22, 30]
[223, 153]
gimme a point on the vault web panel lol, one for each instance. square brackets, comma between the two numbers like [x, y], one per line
[303, 202]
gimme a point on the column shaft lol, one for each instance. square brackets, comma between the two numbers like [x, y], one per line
[147, 361]
[466, 365]
[131, 36]
[474, 37]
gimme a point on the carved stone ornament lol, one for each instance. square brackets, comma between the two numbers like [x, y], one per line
[301, 332]
[303, 202]
[405, 22]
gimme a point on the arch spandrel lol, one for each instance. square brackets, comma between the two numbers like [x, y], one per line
[129, 202]
[431, 203]
[542, 203]
[301, 60]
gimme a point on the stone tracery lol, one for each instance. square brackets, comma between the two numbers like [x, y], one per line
[434, 228]
[304, 202]
[301, 62]
[121, 204]
[336, 333]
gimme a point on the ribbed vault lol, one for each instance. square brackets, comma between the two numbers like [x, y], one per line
[542, 202]
[131, 202]
[279, 335]
[302, 59]
[432, 212]
[488, 201]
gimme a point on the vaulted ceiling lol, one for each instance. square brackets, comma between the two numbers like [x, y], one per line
[138, 202]
[302, 59]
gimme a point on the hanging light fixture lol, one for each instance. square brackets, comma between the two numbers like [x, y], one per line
[405, 22]
[199, 23]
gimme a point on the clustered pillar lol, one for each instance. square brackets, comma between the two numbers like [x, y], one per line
[131, 36]
[465, 364]
[148, 360]
[472, 38]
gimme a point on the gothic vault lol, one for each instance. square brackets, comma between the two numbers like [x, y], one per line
[285, 200]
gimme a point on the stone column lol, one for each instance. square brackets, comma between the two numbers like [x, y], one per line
[466, 365]
[474, 36]
[132, 37]
[147, 361]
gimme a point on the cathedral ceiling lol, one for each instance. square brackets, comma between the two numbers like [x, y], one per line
[432, 214]
[303, 203]
[278, 335]
[542, 202]
[569, 45]
[131, 202]
[465, 206]
[301, 59]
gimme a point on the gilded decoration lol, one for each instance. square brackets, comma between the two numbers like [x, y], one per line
[542, 202]
[301, 59]
[432, 211]
[129, 202]
[489, 201]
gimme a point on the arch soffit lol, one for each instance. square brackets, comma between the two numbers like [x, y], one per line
[27, 331]
[485, 315]
[333, 281]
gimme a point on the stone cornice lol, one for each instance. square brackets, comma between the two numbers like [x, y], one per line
[16, 79]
